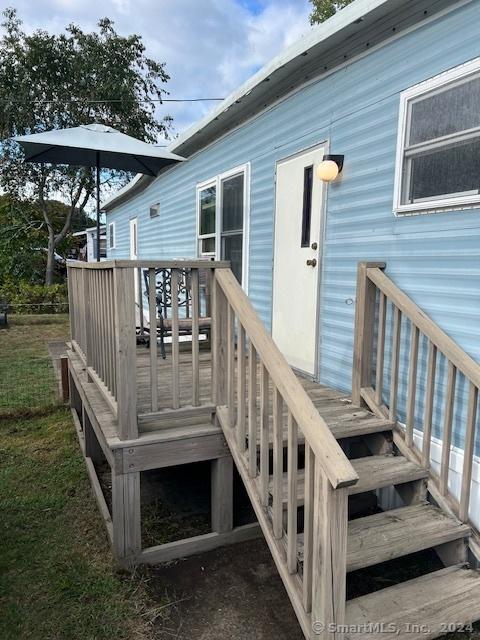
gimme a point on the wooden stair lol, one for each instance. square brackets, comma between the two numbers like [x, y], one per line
[396, 533]
[308, 454]
[427, 607]
[375, 472]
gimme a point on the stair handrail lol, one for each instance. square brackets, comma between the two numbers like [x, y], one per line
[328, 452]
[371, 280]
[457, 356]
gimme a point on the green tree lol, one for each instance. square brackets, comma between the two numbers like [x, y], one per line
[324, 9]
[57, 81]
[24, 237]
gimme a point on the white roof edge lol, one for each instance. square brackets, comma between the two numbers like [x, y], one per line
[343, 18]
[118, 195]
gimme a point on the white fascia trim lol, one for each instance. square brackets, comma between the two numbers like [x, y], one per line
[342, 19]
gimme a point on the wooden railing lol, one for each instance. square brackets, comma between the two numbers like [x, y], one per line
[419, 406]
[162, 305]
[248, 366]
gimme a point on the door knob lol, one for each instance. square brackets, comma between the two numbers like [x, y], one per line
[312, 262]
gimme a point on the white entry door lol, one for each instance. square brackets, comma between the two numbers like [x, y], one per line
[297, 257]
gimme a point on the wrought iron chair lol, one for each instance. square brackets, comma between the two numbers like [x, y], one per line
[163, 296]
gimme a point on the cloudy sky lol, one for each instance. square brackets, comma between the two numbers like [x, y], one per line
[209, 46]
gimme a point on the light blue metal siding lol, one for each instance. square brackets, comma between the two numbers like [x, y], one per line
[434, 258]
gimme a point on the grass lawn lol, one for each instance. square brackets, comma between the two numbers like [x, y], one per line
[57, 576]
[26, 372]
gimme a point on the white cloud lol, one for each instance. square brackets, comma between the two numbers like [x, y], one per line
[210, 47]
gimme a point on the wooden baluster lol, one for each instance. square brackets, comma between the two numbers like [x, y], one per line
[264, 436]
[468, 453]
[308, 528]
[397, 323]
[107, 329]
[292, 502]
[219, 344]
[175, 342]
[86, 319]
[241, 389]
[112, 319]
[153, 347]
[429, 398]
[382, 312]
[103, 318]
[252, 410]
[412, 386]
[277, 505]
[231, 365]
[447, 427]
[141, 319]
[195, 338]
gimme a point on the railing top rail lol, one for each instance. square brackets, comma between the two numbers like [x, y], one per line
[334, 462]
[151, 264]
[461, 360]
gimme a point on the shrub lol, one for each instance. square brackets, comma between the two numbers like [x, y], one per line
[24, 297]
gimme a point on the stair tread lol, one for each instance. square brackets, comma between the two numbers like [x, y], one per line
[417, 609]
[392, 534]
[374, 472]
[343, 423]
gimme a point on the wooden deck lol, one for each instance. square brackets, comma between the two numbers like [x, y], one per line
[309, 456]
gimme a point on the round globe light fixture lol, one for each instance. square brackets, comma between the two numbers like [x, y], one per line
[330, 167]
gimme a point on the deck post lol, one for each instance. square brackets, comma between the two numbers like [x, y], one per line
[222, 494]
[219, 346]
[329, 575]
[125, 346]
[364, 330]
[126, 517]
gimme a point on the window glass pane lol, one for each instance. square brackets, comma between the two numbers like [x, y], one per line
[232, 203]
[112, 235]
[207, 210]
[448, 172]
[450, 111]
[232, 250]
[307, 206]
[207, 245]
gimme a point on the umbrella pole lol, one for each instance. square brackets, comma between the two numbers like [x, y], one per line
[97, 166]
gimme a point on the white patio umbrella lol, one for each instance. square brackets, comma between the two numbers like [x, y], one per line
[96, 145]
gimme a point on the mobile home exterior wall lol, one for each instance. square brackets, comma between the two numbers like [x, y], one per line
[434, 258]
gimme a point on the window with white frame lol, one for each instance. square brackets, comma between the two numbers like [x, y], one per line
[111, 235]
[222, 218]
[438, 162]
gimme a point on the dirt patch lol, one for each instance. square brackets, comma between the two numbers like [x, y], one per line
[232, 592]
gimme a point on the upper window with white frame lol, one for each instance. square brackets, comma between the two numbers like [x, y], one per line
[438, 163]
[222, 205]
[111, 235]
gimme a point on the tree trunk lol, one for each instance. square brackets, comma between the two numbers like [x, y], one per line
[49, 272]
